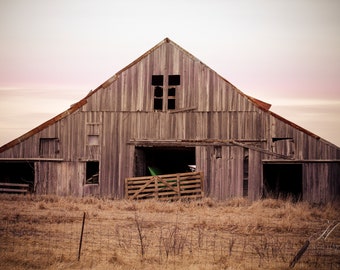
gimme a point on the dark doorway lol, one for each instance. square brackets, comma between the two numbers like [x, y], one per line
[163, 160]
[17, 172]
[92, 172]
[282, 181]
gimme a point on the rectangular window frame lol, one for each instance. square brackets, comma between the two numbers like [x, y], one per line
[44, 147]
[93, 140]
[165, 88]
[92, 172]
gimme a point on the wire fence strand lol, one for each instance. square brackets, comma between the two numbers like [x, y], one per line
[164, 242]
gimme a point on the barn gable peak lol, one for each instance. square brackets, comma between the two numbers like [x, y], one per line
[166, 41]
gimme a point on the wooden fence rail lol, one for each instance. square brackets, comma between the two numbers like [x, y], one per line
[14, 188]
[166, 186]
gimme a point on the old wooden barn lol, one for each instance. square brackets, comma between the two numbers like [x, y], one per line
[168, 110]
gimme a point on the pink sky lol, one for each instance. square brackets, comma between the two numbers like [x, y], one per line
[287, 53]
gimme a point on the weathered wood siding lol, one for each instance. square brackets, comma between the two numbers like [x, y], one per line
[60, 178]
[200, 86]
[255, 183]
[306, 146]
[121, 110]
[321, 182]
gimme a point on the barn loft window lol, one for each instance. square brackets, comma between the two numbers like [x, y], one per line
[157, 80]
[165, 99]
[158, 98]
[174, 80]
[92, 172]
[93, 139]
[283, 146]
[49, 147]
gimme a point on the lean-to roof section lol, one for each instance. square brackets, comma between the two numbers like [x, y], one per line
[260, 104]
[44, 125]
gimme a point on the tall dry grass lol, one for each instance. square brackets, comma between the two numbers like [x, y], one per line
[42, 232]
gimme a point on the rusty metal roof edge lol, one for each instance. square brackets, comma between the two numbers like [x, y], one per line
[264, 105]
[309, 133]
[295, 125]
[44, 125]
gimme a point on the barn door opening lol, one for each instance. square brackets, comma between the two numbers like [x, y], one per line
[282, 181]
[163, 160]
[17, 172]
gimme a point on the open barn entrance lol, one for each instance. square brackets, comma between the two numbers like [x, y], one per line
[17, 172]
[282, 181]
[163, 160]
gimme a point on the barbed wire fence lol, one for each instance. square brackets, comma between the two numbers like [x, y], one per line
[162, 242]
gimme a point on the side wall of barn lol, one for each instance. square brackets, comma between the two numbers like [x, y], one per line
[59, 178]
[321, 182]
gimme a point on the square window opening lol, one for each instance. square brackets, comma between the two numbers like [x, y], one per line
[92, 172]
[93, 140]
[157, 80]
[174, 80]
[171, 104]
[49, 147]
[158, 91]
[158, 104]
[172, 92]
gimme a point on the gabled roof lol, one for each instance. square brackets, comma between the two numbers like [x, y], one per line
[260, 104]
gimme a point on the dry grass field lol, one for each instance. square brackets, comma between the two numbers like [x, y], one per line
[43, 232]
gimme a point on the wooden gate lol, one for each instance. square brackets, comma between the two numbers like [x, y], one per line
[166, 186]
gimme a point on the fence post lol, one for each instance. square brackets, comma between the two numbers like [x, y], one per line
[81, 236]
[299, 254]
[156, 187]
[178, 179]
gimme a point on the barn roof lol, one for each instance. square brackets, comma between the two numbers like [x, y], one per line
[74, 107]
